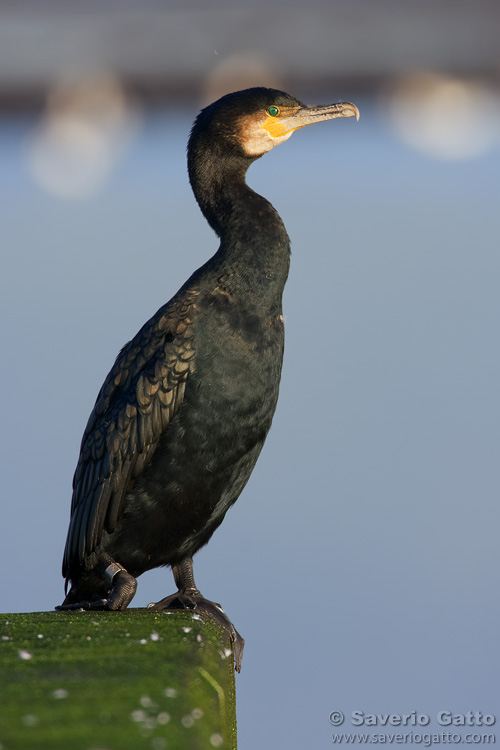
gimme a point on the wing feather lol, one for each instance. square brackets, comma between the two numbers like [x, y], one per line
[135, 406]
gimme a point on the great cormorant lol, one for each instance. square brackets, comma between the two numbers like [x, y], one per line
[181, 418]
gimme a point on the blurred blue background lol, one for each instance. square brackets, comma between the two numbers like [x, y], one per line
[361, 562]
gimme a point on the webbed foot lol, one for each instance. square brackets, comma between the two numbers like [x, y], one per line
[188, 597]
[192, 599]
[121, 592]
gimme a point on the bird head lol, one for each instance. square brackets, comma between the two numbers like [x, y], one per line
[257, 119]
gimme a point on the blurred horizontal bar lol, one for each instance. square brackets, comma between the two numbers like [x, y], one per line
[157, 48]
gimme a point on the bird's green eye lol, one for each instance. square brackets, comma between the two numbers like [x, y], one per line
[273, 111]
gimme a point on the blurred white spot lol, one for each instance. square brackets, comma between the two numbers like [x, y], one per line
[171, 692]
[186, 630]
[187, 721]
[29, 720]
[60, 693]
[163, 717]
[197, 713]
[155, 636]
[86, 127]
[39, 635]
[199, 638]
[146, 701]
[138, 715]
[158, 743]
[143, 641]
[216, 740]
[445, 117]
[240, 71]
[24, 654]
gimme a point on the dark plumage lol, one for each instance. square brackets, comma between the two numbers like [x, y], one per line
[181, 418]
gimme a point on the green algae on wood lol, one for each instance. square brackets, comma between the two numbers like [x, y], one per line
[114, 681]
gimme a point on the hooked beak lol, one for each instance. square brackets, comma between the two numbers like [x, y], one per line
[317, 113]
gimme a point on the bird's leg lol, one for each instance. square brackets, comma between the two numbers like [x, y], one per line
[189, 597]
[184, 577]
[119, 586]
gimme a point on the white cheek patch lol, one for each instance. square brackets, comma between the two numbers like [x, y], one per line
[257, 141]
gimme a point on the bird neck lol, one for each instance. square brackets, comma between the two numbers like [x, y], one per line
[255, 246]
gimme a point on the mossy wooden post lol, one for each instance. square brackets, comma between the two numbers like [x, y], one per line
[114, 681]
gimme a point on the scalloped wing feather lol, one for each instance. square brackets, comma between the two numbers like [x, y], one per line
[134, 408]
